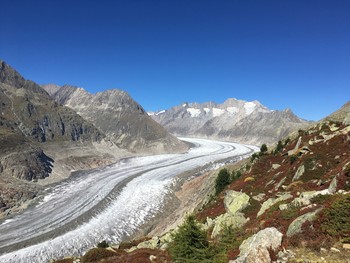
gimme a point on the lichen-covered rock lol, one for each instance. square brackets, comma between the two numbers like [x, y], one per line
[271, 201]
[235, 201]
[235, 221]
[255, 248]
[295, 226]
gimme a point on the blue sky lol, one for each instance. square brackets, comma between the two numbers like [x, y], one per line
[286, 53]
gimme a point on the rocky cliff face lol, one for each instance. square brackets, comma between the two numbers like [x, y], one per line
[27, 108]
[118, 116]
[236, 120]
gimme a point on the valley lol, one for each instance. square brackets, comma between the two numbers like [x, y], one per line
[105, 204]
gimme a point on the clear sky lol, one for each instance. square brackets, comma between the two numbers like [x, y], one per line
[285, 53]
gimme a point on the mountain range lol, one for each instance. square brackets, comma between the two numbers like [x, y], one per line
[119, 117]
[233, 120]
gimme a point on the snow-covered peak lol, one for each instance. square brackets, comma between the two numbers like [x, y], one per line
[249, 107]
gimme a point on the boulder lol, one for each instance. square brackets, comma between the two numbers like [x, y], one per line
[275, 166]
[333, 185]
[259, 197]
[295, 226]
[235, 201]
[255, 248]
[235, 221]
[271, 201]
[295, 150]
[305, 197]
[299, 173]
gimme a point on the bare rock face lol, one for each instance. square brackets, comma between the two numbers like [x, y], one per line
[28, 108]
[28, 165]
[236, 120]
[117, 115]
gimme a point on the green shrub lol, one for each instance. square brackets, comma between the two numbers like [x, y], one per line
[263, 148]
[222, 180]
[336, 219]
[253, 157]
[279, 147]
[97, 254]
[293, 158]
[103, 244]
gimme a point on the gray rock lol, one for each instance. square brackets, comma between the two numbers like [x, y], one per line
[295, 226]
[305, 197]
[255, 248]
[299, 173]
[235, 221]
[259, 197]
[276, 166]
[235, 201]
[271, 201]
[333, 185]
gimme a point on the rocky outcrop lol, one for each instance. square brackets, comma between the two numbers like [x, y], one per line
[234, 203]
[32, 164]
[295, 226]
[256, 248]
[271, 201]
[118, 116]
[299, 173]
[236, 120]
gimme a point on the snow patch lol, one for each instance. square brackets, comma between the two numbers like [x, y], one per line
[160, 112]
[207, 110]
[232, 110]
[194, 112]
[150, 113]
[249, 107]
[184, 105]
[217, 112]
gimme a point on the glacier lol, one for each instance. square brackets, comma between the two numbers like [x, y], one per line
[104, 204]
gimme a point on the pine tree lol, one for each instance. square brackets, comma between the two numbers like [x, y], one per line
[190, 243]
[222, 180]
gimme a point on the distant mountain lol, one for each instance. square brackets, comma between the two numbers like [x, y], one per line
[117, 115]
[236, 120]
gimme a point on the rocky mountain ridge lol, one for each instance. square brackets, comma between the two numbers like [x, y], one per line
[235, 120]
[117, 115]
